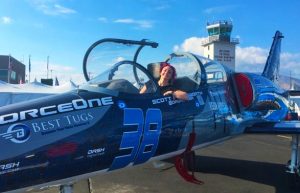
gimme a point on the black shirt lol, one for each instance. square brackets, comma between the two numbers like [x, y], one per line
[164, 89]
[151, 87]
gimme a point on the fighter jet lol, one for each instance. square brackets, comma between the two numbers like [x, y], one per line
[107, 123]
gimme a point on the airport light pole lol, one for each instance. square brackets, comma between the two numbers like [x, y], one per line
[29, 67]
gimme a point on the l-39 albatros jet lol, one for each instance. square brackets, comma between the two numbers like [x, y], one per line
[106, 124]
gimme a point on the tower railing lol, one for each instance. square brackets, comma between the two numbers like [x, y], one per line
[219, 38]
[219, 22]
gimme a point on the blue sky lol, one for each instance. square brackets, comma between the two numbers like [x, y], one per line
[64, 29]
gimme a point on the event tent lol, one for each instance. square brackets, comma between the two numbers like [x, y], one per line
[14, 93]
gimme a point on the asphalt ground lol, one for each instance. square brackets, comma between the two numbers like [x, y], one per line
[246, 164]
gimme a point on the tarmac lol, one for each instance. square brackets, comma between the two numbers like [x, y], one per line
[246, 164]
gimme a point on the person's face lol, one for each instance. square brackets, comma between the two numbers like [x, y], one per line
[167, 73]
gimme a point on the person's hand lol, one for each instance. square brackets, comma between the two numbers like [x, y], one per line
[168, 93]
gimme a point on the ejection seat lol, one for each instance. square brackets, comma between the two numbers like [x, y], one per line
[154, 70]
[185, 84]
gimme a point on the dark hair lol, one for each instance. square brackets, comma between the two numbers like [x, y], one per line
[165, 64]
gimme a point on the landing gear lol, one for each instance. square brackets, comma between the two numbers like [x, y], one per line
[293, 166]
[186, 161]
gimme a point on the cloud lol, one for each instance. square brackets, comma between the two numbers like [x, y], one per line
[140, 23]
[5, 20]
[119, 59]
[63, 10]
[251, 55]
[50, 7]
[193, 45]
[253, 59]
[290, 62]
[219, 9]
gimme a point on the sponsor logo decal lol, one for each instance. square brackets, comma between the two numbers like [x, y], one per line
[213, 106]
[17, 133]
[76, 104]
[121, 104]
[59, 124]
[219, 106]
[10, 167]
[20, 133]
[95, 152]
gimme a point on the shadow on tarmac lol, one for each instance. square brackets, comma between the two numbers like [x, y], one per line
[271, 174]
[260, 172]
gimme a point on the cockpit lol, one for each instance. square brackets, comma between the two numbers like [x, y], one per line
[114, 65]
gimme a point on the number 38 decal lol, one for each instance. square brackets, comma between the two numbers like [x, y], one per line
[143, 141]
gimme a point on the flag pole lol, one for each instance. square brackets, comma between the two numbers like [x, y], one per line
[47, 67]
[8, 72]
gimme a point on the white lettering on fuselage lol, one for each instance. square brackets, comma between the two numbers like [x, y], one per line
[161, 100]
[63, 122]
[9, 166]
[172, 101]
[76, 104]
[96, 151]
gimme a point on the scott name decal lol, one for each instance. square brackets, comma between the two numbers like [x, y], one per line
[172, 101]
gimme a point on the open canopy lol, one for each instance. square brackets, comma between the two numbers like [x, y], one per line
[113, 64]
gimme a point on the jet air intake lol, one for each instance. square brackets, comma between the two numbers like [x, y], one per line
[257, 93]
[245, 89]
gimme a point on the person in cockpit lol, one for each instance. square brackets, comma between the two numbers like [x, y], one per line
[165, 82]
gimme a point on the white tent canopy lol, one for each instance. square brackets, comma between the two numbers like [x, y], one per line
[12, 93]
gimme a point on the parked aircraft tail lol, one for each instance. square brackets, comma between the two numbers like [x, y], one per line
[271, 70]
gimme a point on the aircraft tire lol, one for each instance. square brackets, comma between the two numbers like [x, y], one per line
[293, 180]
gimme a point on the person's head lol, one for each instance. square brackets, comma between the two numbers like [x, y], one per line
[167, 71]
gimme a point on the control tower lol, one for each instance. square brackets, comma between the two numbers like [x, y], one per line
[219, 45]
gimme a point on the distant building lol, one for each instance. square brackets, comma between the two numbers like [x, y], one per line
[219, 45]
[11, 70]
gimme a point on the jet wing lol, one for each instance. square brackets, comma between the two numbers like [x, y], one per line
[284, 127]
